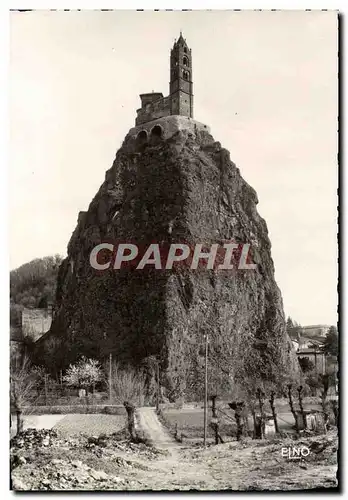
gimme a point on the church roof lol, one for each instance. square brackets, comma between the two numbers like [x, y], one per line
[180, 39]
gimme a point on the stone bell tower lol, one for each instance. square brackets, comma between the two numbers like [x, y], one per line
[180, 88]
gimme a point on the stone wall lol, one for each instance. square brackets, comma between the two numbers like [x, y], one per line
[170, 125]
[151, 110]
[35, 322]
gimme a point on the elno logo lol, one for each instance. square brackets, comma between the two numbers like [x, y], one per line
[295, 453]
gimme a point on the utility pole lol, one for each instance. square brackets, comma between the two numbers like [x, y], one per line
[158, 385]
[110, 377]
[206, 390]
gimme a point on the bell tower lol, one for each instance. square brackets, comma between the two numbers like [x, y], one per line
[180, 88]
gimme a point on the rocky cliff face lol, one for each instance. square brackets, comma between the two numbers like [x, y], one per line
[181, 189]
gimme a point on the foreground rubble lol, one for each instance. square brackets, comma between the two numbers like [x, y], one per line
[46, 460]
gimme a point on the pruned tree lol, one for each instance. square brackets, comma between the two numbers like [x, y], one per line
[22, 382]
[239, 413]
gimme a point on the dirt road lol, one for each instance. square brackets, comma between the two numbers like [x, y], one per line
[256, 465]
[173, 472]
[159, 436]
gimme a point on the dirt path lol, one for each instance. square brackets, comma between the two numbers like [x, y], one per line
[231, 466]
[158, 435]
[245, 465]
[175, 471]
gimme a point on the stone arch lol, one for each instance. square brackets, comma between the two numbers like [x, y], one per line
[157, 131]
[141, 139]
[185, 61]
[142, 135]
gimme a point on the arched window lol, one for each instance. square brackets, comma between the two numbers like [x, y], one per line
[185, 75]
[142, 135]
[141, 139]
[185, 50]
[156, 131]
[185, 61]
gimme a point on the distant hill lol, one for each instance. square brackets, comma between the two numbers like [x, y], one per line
[33, 285]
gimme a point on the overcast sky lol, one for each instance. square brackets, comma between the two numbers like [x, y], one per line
[265, 82]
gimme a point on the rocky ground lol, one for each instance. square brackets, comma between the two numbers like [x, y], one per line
[48, 460]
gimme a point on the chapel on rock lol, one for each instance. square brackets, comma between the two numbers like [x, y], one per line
[180, 98]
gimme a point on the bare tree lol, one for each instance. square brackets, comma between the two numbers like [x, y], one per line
[22, 382]
[127, 385]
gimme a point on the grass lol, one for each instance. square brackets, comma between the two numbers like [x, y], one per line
[190, 423]
[80, 408]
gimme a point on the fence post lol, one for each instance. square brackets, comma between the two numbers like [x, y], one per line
[110, 377]
[45, 379]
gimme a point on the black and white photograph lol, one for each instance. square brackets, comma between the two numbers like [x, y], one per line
[173, 250]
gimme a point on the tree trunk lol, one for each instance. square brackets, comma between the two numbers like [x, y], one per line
[291, 404]
[271, 402]
[86, 399]
[254, 422]
[260, 396]
[19, 420]
[215, 425]
[334, 405]
[299, 390]
[324, 401]
[238, 408]
[131, 418]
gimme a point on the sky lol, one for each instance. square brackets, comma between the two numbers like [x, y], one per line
[265, 82]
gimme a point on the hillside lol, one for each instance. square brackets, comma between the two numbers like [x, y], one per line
[33, 285]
